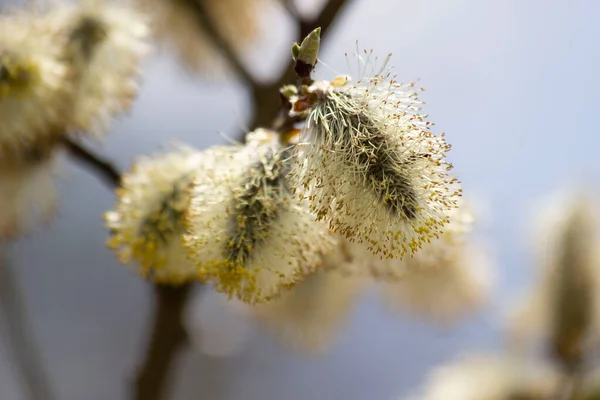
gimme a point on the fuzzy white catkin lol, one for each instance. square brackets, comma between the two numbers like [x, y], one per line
[245, 231]
[147, 222]
[175, 23]
[370, 166]
[33, 85]
[104, 43]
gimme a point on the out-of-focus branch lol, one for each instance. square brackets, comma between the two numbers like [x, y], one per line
[292, 9]
[167, 338]
[211, 29]
[324, 20]
[104, 169]
[21, 344]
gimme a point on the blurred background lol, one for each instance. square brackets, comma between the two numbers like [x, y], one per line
[515, 86]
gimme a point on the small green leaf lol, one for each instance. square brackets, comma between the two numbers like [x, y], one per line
[309, 49]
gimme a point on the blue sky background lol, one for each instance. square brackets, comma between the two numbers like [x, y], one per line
[515, 86]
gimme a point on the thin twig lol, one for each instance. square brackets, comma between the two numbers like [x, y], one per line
[17, 330]
[211, 29]
[103, 168]
[168, 336]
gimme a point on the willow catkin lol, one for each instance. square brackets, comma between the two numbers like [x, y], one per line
[370, 166]
[104, 44]
[245, 230]
[147, 222]
[33, 86]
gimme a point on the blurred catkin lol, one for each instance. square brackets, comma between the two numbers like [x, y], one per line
[573, 285]
[310, 314]
[33, 99]
[103, 45]
[177, 25]
[562, 311]
[147, 222]
[486, 377]
[446, 280]
[33, 89]
[64, 69]
[28, 197]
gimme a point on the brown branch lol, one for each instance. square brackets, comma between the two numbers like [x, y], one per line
[104, 169]
[267, 104]
[168, 337]
[18, 332]
[211, 29]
